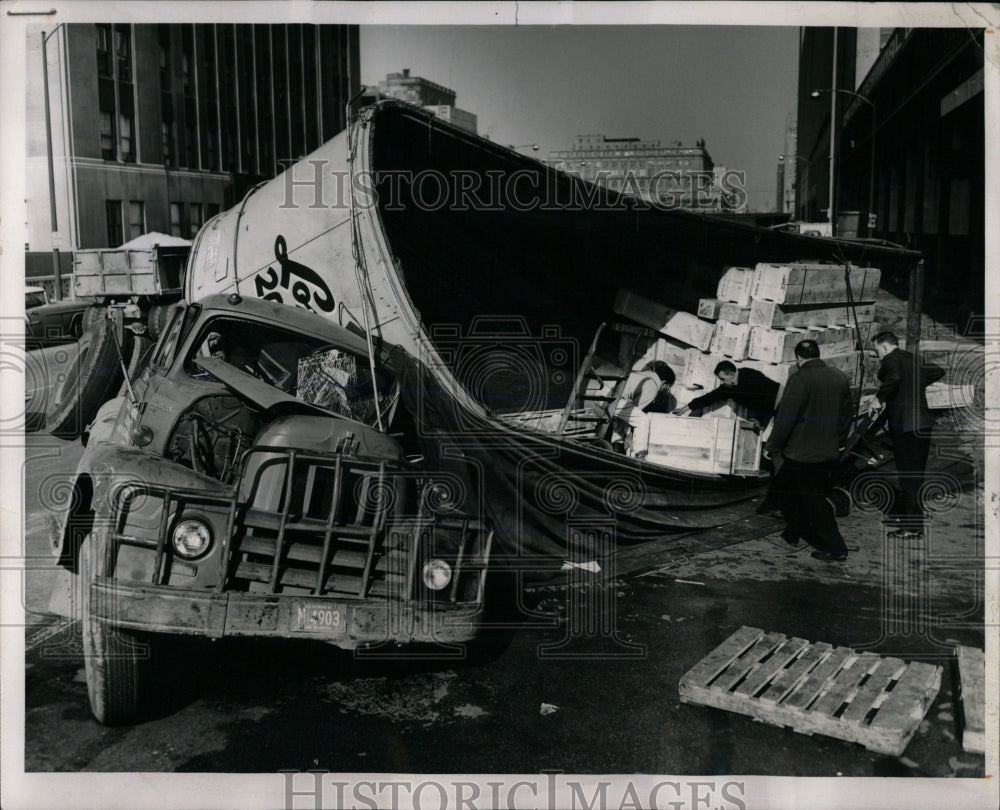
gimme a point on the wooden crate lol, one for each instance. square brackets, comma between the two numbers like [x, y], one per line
[768, 313]
[736, 285]
[682, 326]
[972, 697]
[709, 308]
[778, 345]
[731, 339]
[734, 313]
[944, 395]
[699, 369]
[807, 283]
[815, 688]
[702, 445]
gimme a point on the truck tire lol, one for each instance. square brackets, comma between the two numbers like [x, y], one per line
[131, 676]
[157, 319]
[115, 660]
[89, 382]
[142, 348]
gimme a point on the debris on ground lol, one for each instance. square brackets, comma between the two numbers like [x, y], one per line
[591, 566]
[549, 708]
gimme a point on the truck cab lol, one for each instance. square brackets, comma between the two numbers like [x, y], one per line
[258, 479]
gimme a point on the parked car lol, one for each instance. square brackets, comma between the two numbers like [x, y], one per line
[47, 322]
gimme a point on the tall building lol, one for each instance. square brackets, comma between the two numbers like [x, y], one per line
[779, 193]
[791, 165]
[433, 97]
[909, 148]
[676, 175]
[158, 127]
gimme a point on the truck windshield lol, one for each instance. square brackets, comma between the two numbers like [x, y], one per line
[303, 366]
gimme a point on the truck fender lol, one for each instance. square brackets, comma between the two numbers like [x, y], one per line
[102, 470]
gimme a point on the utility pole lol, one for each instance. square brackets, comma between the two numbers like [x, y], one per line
[53, 219]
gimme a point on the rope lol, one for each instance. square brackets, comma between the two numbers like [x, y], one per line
[360, 266]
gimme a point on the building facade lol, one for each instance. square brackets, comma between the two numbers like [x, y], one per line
[675, 175]
[909, 148]
[788, 163]
[434, 98]
[159, 127]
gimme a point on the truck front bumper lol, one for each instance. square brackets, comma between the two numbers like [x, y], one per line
[344, 623]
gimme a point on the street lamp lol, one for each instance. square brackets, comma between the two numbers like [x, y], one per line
[534, 146]
[871, 166]
[53, 219]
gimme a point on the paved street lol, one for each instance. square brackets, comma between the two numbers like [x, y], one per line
[269, 706]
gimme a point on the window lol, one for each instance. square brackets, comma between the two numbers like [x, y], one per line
[211, 153]
[136, 218]
[113, 211]
[191, 145]
[211, 210]
[168, 143]
[123, 52]
[195, 216]
[164, 42]
[108, 135]
[186, 73]
[125, 139]
[103, 33]
[175, 219]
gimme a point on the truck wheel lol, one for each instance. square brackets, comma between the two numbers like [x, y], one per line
[115, 660]
[142, 348]
[131, 676]
[89, 382]
[157, 319]
[76, 327]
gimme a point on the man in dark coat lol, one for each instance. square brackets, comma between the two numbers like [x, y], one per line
[810, 427]
[746, 387]
[901, 396]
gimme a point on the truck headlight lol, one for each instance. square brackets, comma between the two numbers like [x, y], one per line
[436, 574]
[191, 539]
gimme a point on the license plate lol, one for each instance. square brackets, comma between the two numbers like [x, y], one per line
[318, 619]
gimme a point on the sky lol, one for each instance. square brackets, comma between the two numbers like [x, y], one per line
[732, 86]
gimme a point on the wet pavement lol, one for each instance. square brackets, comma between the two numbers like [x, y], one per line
[270, 706]
[605, 657]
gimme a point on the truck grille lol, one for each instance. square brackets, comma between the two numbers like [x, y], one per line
[313, 524]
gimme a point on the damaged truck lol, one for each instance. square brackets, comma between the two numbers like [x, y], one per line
[393, 369]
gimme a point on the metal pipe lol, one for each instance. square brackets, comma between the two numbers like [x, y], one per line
[833, 137]
[53, 219]
[914, 308]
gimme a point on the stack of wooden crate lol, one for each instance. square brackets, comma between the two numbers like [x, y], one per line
[763, 312]
[758, 316]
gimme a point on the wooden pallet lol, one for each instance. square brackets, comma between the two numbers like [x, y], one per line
[972, 674]
[815, 688]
